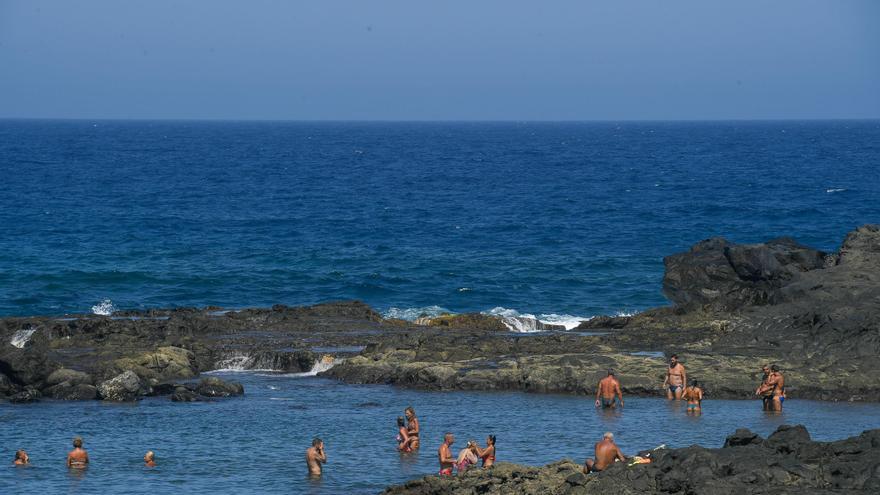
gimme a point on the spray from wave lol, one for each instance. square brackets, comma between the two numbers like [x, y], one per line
[512, 319]
[104, 308]
[412, 314]
[21, 337]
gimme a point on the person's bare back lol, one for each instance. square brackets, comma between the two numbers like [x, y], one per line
[315, 456]
[77, 458]
[606, 452]
[606, 391]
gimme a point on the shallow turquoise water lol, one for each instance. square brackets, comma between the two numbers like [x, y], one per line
[257, 443]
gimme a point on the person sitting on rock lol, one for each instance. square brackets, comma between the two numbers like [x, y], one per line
[21, 458]
[765, 390]
[606, 452]
[315, 456]
[412, 427]
[694, 397]
[402, 436]
[606, 391]
[676, 378]
[77, 458]
[487, 454]
[150, 459]
[776, 381]
[467, 457]
[444, 454]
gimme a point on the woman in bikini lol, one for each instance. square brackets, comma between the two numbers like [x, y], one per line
[694, 397]
[21, 458]
[487, 454]
[402, 436]
[412, 427]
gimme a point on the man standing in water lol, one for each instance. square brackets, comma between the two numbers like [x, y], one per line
[676, 378]
[445, 455]
[315, 456]
[78, 458]
[606, 391]
[764, 389]
[776, 383]
[606, 452]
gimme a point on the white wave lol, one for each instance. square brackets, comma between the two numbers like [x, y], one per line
[464, 289]
[836, 190]
[412, 314]
[568, 321]
[235, 363]
[104, 308]
[21, 337]
[320, 366]
[526, 322]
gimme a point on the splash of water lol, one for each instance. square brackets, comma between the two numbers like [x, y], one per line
[21, 337]
[104, 308]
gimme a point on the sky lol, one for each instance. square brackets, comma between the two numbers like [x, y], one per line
[440, 60]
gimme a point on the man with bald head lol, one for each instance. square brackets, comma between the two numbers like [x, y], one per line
[606, 453]
[445, 455]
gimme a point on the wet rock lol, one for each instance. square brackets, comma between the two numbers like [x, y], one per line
[183, 394]
[742, 437]
[28, 366]
[162, 389]
[474, 321]
[71, 391]
[6, 386]
[125, 387]
[215, 387]
[25, 396]
[604, 322]
[165, 363]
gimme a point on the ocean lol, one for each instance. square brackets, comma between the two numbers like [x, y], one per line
[558, 220]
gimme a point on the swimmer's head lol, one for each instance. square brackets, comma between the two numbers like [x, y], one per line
[149, 456]
[400, 421]
[317, 442]
[449, 438]
[608, 436]
[410, 412]
[490, 439]
[774, 368]
[20, 455]
[77, 443]
[610, 372]
[694, 383]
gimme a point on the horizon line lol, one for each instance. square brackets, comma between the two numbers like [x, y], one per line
[439, 121]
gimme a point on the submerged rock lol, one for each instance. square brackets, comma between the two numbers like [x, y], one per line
[125, 387]
[25, 396]
[71, 391]
[215, 387]
[183, 394]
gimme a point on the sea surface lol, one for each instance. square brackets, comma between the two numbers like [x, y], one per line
[558, 220]
[256, 444]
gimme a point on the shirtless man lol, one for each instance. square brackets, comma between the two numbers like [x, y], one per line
[412, 427]
[606, 391]
[150, 459]
[776, 381]
[444, 454]
[78, 458]
[765, 390]
[606, 452]
[315, 456]
[676, 378]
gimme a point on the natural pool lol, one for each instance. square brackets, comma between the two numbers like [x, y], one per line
[257, 443]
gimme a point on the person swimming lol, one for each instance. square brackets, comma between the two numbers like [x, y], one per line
[412, 427]
[21, 458]
[150, 459]
[694, 397]
[402, 436]
[77, 458]
[487, 454]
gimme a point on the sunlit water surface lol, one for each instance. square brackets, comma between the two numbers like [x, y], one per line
[257, 443]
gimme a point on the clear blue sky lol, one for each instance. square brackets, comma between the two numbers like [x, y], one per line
[445, 59]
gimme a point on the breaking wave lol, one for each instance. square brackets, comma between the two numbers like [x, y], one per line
[21, 337]
[104, 308]
[412, 314]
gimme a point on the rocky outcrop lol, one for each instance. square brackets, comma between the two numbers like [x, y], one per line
[215, 387]
[126, 387]
[473, 321]
[787, 462]
[163, 364]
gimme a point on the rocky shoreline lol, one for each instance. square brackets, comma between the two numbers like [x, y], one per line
[787, 461]
[734, 308]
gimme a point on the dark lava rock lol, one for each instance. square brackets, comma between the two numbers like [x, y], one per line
[786, 463]
[28, 366]
[6, 386]
[215, 387]
[183, 394]
[70, 376]
[25, 396]
[604, 322]
[729, 276]
[162, 389]
[71, 391]
[123, 388]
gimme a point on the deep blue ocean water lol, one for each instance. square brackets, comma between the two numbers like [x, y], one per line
[256, 444]
[564, 218]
